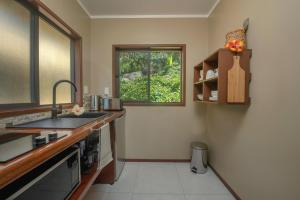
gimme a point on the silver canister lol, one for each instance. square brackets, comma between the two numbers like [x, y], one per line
[112, 104]
[95, 103]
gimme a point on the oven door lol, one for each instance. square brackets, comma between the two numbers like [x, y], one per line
[56, 179]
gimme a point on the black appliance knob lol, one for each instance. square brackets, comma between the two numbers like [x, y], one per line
[52, 136]
[40, 140]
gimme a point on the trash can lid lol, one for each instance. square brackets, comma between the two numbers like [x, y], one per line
[199, 145]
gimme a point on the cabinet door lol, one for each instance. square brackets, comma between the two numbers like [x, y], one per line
[106, 153]
[120, 137]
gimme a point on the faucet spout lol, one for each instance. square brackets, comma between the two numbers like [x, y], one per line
[55, 110]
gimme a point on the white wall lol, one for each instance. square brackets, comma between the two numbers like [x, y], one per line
[256, 148]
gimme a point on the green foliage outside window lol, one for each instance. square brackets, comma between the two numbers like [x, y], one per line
[150, 75]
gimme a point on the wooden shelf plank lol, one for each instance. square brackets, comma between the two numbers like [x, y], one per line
[198, 83]
[207, 80]
[211, 80]
[213, 56]
[199, 66]
[207, 102]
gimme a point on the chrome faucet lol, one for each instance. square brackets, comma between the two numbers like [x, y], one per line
[54, 109]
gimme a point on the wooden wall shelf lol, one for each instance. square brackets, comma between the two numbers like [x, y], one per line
[207, 102]
[215, 79]
[229, 89]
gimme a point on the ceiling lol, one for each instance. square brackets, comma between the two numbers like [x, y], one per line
[148, 8]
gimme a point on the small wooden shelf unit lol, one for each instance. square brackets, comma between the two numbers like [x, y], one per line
[222, 60]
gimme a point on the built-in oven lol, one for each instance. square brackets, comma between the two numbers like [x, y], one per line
[56, 179]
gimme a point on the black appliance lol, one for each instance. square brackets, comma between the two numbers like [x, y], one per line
[90, 151]
[55, 179]
[14, 144]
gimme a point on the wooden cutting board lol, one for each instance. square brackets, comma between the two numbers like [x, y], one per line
[236, 85]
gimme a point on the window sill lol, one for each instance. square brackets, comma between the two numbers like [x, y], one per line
[180, 104]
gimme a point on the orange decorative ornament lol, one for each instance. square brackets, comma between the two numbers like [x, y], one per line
[235, 45]
[236, 40]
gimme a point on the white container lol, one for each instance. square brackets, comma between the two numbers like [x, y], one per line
[213, 98]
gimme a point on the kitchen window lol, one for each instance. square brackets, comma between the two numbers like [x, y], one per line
[149, 74]
[55, 63]
[37, 49]
[15, 67]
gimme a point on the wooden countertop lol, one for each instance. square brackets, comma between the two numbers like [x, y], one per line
[16, 168]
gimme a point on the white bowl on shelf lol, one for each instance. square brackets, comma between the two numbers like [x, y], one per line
[210, 74]
[200, 96]
[214, 93]
[213, 98]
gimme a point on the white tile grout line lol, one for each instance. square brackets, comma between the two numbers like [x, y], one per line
[136, 179]
[181, 184]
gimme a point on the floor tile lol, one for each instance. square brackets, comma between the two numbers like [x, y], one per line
[161, 181]
[209, 197]
[161, 178]
[117, 196]
[127, 180]
[157, 197]
[108, 196]
[101, 188]
[125, 183]
[206, 183]
[92, 195]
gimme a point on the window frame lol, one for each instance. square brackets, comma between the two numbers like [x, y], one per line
[115, 70]
[39, 10]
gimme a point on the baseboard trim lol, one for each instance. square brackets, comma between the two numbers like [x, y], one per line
[159, 160]
[236, 196]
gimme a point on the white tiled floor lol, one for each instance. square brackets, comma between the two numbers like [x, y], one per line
[161, 181]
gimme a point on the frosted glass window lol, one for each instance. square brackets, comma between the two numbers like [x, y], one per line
[14, 53]
[54, 63]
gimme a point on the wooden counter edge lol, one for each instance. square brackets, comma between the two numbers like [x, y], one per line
[11, 171]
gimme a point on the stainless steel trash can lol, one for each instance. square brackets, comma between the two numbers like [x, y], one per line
[199, 157]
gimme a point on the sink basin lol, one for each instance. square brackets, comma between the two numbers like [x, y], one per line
[86, 115]
[69, 121]
[59, 123]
